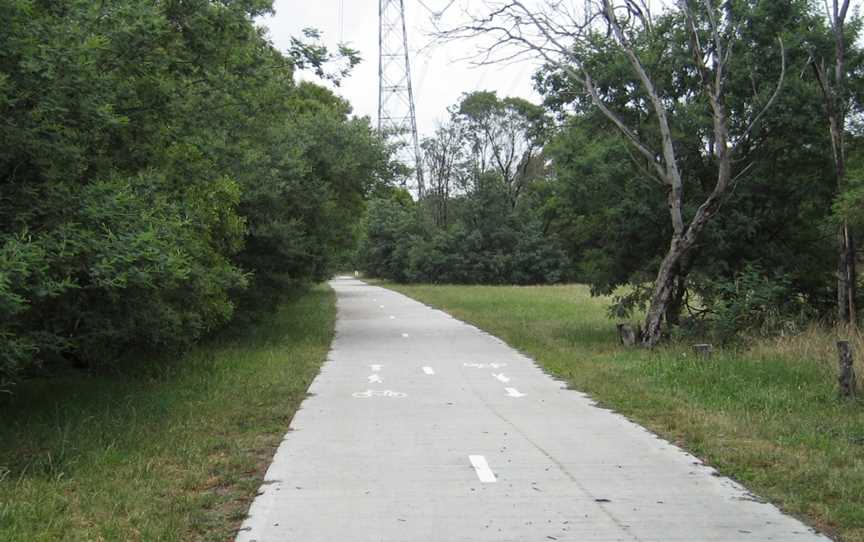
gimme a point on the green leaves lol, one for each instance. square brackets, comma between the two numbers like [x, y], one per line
[157, 160]
[310, 54]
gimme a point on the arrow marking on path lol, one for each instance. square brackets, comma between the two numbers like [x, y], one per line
[513, 392]
[375, 368]
[428, 370]
[481, 467]
[501, 377]
[375, 378]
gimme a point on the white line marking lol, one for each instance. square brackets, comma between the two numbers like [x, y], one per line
[376, 393]
[380, 306]
[485, 365]
[428, 370]
[374, 379]
[375, 368]
[392, 317]
[481, 467]
[513, 392]
[501, 377]
[404, 335]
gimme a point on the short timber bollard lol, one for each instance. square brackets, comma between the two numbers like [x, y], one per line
[846, 378]
[703, 350]
[628, 335]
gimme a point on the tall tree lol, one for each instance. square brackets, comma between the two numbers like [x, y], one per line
[444, 156]
[568, 39]
[505, 138]
[831, 73]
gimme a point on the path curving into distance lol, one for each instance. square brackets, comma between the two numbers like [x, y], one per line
[423, 428]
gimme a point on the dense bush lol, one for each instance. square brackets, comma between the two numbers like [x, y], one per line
[159, 165]
[401, 246]
[754, 303]
[481, 219]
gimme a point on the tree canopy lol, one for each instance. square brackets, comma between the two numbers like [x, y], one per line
[684, 155]
[161, 168]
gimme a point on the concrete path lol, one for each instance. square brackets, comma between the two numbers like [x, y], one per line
[423, 428]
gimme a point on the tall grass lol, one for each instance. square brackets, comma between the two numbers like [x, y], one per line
[173, 450]
[766, 414]
[816, 344]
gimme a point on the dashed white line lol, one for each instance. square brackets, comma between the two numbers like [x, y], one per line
[501, 377]
[428, 370]
[392, 317]
[375, 368]
[404, 335]
[513, 392]
[481, 467]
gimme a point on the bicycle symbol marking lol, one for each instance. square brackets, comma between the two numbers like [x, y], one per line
[485, 365]
[379, 393]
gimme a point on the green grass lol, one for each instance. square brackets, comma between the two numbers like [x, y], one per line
[767, 415]
[175, 451]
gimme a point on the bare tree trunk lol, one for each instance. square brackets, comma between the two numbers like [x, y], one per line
[664, 288]
[673, 310]
[833, 93]
[846, 277]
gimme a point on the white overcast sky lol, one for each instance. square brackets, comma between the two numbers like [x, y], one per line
[439, 76]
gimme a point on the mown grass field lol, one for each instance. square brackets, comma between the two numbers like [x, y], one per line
[173, 452]
[767, 415]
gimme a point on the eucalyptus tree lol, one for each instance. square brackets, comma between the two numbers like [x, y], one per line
[830, 68]
[568, 35]
[446, 163]
[505, 137]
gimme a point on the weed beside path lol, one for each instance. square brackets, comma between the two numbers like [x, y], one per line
[767, 416]
[175, 451]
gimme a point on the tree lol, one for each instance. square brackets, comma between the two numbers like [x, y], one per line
[505, 136]
[159, 164]
[480, 221]
[444, 155]
[645, 118]
[831, 72]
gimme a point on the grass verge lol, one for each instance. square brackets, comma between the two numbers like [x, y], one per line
[767, 415]
[175, 451]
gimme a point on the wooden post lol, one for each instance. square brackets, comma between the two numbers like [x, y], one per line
[703, 350]
[846, 378]
[629, 336]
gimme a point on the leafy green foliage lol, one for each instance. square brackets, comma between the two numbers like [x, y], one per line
[401, 245]
[158, 166]
[481, 222]
[774, 229]
[753, 303]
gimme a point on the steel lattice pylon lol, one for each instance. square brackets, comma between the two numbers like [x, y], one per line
[397, 120]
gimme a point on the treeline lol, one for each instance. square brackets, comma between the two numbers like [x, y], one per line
[614, 182]
[480, 220]
[161, 169]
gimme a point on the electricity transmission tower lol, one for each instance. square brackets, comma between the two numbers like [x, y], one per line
[397, 120]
